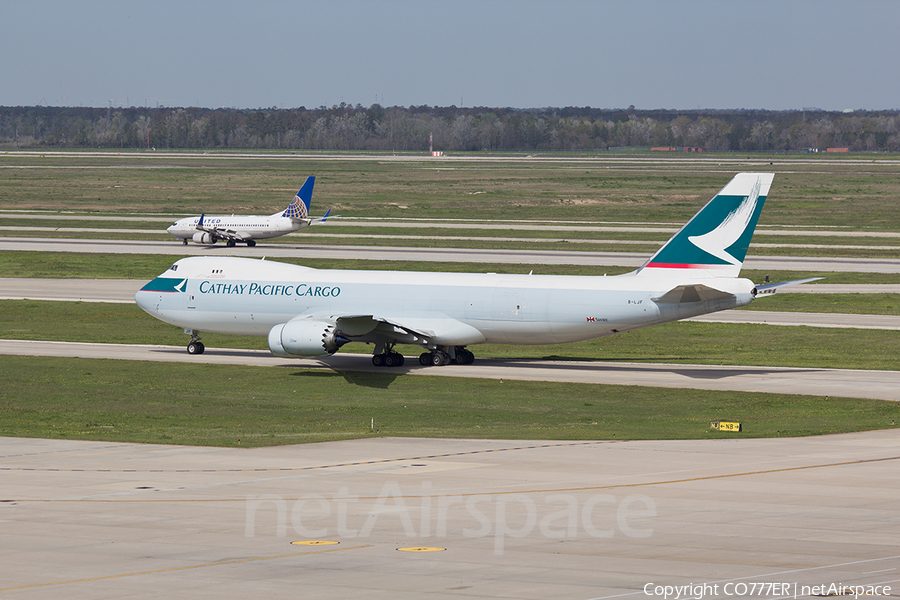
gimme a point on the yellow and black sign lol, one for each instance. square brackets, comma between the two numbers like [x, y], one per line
[725, 426]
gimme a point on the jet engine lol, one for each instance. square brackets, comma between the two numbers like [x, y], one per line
[305, 337]
[202, 237]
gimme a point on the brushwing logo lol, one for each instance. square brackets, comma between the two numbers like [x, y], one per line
[180, 286]
[730, 229]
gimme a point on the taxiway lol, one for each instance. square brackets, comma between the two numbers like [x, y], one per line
[416, 518]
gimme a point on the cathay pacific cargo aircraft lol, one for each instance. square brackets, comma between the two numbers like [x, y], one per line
[248, 229]
[313, 312]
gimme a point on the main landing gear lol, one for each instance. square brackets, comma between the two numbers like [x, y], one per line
[385, 356]
[195, 346]
[457, 355]
[388, 359]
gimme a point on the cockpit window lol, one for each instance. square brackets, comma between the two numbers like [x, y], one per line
[173, 267]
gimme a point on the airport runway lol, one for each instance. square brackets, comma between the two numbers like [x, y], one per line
[415, 518]
[850, 383]
[424, 223]
[392, 238]
[467, 255]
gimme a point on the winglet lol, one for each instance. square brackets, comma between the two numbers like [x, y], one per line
[299, 206]
[714, 242]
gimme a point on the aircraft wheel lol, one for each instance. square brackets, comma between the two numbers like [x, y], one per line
[400, 359]
[185, 241]
[438, 359]
[464, 357]
[251, 243]
[378, 360]
[425, 358]
[196, 348]
[390, 359]
[230, 243]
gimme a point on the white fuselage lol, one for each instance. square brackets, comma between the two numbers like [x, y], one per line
[243, 296]
[246, 227]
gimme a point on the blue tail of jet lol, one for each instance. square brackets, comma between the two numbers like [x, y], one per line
[714, 242]
[299, 206]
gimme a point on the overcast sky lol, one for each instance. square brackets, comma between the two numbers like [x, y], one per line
[765, 54]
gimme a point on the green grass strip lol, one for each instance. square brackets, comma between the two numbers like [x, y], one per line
[216, 405]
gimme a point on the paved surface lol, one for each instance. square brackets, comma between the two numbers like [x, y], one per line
[524, 520]
[421, 223]
[70, 290]
[769, 317]
[386, 237]
[884, 385]
[467, 255]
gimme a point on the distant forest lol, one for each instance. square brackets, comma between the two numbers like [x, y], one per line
[348, 127]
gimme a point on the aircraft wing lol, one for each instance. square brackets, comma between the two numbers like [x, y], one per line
[410, 328]
[224, 234]
[221, 232]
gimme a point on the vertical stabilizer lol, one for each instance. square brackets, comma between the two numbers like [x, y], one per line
[299, 206]
[714, 242]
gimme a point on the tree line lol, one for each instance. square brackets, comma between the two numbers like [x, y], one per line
[404, 129]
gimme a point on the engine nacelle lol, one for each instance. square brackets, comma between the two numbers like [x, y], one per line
[202, 237]
[305, 337]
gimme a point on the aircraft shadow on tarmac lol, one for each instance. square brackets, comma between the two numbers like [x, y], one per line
[690, 371]
[359, 370]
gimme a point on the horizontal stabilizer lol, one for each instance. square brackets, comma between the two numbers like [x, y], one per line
[690, 293]
[319, 220]
[770, 288]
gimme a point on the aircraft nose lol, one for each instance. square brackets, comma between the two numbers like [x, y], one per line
[145, 300]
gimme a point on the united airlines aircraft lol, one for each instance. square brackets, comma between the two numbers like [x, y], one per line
[248, 229]
[309, 312]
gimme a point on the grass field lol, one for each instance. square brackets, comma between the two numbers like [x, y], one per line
[227, 406]
[844, 193]
[207, 404]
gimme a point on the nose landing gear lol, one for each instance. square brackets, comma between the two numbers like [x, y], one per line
[195, 346]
